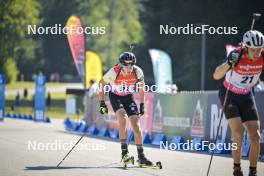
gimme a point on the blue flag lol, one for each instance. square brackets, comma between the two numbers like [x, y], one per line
[2, 96]
[39, 100]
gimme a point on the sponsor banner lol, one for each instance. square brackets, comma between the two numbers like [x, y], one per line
[185, 114]
[180, 114]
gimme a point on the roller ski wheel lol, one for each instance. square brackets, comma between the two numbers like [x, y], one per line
[127, 160]
[159, 165]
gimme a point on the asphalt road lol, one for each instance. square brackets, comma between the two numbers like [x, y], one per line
[29, 149]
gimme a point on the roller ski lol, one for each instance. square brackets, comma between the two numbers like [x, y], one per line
[143, 162]
[126, 159]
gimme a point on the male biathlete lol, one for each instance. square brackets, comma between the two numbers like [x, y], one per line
[122, 79]
[242, 70]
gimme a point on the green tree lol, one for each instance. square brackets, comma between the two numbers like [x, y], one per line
[55, 48]
[10, 70]
[122, 27]
[15, 44]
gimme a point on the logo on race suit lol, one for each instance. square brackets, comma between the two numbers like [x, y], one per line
[230, 105]
[247, 67]
[132, 106]
[215, 119]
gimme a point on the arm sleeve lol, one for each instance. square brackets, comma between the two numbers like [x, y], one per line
[110, 76]
[140, 74]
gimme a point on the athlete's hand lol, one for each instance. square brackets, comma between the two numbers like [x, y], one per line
[233, 58]
[103, 107]
[141, 109]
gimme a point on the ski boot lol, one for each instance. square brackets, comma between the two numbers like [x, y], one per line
[237, 172]
[126, 159]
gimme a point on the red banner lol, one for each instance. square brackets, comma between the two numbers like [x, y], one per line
[76, 39]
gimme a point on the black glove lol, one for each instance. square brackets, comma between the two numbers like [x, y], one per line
[103, 107]
[141, 109]
[233, 58]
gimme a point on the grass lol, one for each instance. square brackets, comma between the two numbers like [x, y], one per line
[29, 85]
[54, 96]
[57, 109]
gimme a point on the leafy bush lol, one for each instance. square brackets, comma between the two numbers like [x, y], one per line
[10, 70]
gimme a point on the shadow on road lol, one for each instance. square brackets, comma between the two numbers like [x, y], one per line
[110, 165]
[52, 167]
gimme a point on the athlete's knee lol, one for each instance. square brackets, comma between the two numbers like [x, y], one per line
[122, 121]
[135, 125]
[137, 128]
[121, 115]
[254, 136]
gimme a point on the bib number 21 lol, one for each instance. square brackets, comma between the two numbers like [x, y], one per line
[247, 79]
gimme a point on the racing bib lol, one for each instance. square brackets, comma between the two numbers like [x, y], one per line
[245, 76]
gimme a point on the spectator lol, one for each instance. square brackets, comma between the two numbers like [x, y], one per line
[57, 77]
[12, 106]
[25, 93]
[48, 103]
[17, 100]
[51, 77]
[33, 102]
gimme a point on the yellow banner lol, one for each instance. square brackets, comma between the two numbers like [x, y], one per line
[93, 68]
